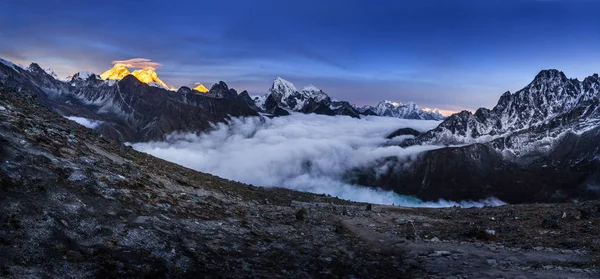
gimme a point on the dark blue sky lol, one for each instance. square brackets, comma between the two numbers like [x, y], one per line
[460, 54]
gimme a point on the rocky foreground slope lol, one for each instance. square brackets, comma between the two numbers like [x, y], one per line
[74, 204]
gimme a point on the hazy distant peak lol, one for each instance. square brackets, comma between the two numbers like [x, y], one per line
[311, 88]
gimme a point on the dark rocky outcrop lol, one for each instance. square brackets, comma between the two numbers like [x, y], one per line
[344, 108]
[245, 98]
[272, 107]
[221, 90]
[404, 132]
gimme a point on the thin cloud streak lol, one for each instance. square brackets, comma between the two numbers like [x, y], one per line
[143, 63]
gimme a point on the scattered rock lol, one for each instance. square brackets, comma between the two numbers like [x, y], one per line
[550, 223]
[301, 214]
[411, 262]
[512, 260]
[369, 207]
[440, 254]
[410, 231]
[74, 256]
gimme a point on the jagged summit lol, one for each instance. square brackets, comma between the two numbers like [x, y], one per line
[550, 74]
[149, 76]
[35, 68]
[283, 87]
[146, 75]
[83, 75]
[220, 90]
[117, 72]
[551, 102]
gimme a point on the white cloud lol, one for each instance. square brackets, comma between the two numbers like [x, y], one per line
[143, 63]
[301, 152]
[89, 123]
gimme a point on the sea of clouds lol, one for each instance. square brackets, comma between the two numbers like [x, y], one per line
[304, 152]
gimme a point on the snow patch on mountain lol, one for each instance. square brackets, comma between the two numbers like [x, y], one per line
[51, 72]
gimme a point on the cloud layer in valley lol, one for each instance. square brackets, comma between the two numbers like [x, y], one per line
[302, 152]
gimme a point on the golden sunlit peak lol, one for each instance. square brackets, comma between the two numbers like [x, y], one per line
[200, 88]
[146, 75]
[118, 72]
[395, 104]
[149, 76]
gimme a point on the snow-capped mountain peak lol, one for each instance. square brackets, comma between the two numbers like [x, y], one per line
[283, 87]
[149, 76]
[146, 75]
[117, 72]
[317, 94]
[551, 102]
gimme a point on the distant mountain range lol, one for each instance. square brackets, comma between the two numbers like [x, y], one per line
[284, 97]
[130, 109]
[407, 111]
[138, 106]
